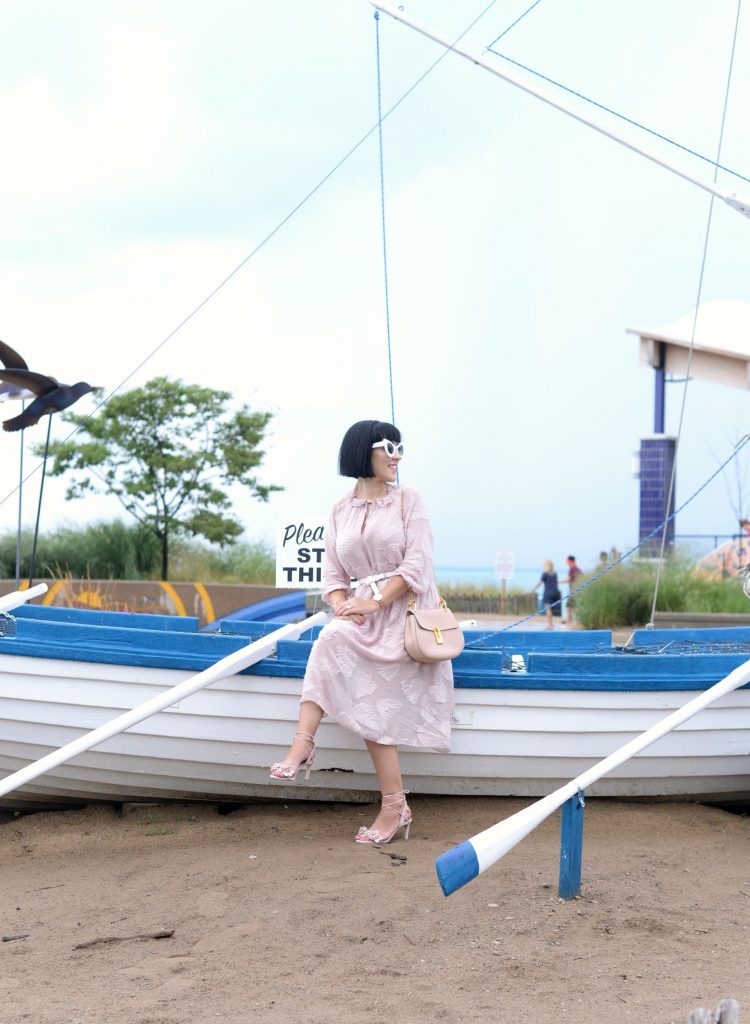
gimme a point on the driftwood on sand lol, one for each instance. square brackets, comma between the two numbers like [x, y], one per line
[163, 934]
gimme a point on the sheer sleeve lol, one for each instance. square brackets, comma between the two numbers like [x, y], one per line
[335, 576]
[416, 569]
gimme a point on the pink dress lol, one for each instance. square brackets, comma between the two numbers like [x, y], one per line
[362, 676]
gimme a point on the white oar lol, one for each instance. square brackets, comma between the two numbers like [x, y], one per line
[458, 866]
[228, 666]
[19, 597]
[736, 200]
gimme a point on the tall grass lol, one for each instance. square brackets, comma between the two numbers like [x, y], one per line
[624, 596]
[114, 550]
[99, 551]
[243, 562]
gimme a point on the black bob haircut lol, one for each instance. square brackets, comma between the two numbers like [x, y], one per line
[355, 454]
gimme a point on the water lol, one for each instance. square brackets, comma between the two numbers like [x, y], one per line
[450, 575]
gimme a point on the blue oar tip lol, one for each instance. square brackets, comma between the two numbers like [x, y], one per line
[456, 867]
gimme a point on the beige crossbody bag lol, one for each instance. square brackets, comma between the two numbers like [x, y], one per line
[431, 634]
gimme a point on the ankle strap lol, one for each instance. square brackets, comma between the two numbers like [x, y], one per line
[307, 739]
[387, 799]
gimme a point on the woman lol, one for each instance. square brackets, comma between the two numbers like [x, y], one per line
[551, 593]
[378, 549]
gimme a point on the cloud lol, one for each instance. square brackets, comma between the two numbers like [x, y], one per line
[122, 124]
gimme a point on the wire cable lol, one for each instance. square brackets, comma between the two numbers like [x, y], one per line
[514, 23]
[382, 217]
[616, 113]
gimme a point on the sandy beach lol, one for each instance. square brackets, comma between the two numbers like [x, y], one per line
[278, 916]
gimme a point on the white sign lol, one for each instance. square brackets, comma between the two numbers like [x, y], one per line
[299, 553]
[504, 565]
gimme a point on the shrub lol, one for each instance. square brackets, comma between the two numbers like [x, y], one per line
[623, 597]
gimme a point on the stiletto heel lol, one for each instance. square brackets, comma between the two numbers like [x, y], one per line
[395, 802]
[283, 772]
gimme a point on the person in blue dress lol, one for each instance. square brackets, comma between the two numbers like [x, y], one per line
[550, 592]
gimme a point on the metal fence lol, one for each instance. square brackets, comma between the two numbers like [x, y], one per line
[467, 604]
[515, 604]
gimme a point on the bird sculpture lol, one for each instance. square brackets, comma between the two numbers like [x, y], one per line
[51, 395]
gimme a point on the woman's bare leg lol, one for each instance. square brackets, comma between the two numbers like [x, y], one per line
[388, 770]
[549, 617]
[310, 715]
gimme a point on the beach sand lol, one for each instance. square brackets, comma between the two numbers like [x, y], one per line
[278, 916]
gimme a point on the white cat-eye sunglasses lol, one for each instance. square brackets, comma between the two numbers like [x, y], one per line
[391, 448]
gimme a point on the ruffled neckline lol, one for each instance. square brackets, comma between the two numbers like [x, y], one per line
[378, 502]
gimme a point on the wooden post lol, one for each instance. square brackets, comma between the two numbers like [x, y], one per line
[571, 846]
[502, 597]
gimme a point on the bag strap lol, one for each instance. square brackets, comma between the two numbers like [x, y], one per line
[412, 595]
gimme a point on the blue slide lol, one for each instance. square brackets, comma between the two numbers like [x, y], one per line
[285, 608]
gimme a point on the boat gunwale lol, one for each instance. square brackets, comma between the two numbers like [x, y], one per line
[571, 664]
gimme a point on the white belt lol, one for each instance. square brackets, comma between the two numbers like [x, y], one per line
[372, 581]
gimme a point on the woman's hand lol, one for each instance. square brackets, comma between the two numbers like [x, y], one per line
[341, 613]
[357, 609]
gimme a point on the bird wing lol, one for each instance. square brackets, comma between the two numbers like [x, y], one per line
[36, 382]
[11, 358]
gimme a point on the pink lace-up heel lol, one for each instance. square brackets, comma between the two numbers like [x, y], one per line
[395, 802]
[284, 772]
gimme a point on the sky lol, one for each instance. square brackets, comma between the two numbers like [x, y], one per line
[149, 147]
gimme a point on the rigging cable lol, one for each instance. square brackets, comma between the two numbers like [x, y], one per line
[514, 23]
[382, 220]
[382, 180]
[616, 113]
[382, 190]
[660, 564]
[260, 244]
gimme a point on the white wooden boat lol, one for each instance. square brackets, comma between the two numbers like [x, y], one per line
[515, 733]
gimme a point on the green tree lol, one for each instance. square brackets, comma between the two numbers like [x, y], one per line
[166, 450]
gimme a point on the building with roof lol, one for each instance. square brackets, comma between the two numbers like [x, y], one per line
[720, 336]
